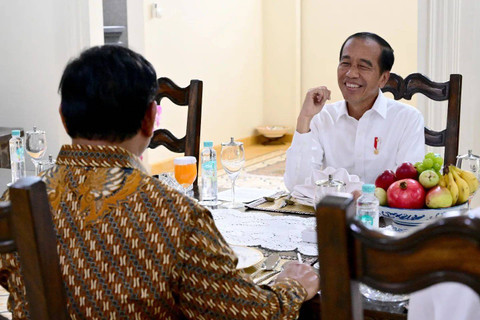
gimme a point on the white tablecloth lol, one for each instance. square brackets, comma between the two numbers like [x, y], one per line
[255, 228]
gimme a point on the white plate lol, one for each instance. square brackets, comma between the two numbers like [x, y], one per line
[247, 257]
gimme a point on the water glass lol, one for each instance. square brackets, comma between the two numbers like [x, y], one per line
[35, 145]
[232, 157]
[45, 164]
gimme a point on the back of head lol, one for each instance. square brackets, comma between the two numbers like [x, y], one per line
[386, 57]
[105, 93]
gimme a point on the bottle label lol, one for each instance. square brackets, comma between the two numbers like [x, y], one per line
[209, 166]
[366, 219]
[18, 155]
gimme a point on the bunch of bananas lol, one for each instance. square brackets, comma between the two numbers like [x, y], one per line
[461, 184]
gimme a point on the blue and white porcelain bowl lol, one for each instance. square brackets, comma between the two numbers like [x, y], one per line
[406, 219]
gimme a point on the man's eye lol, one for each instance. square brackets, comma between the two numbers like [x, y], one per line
[344, 64]
[363, 67]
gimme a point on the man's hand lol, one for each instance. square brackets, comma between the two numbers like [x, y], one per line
[304, 274]
[313, 104]
[356, 194]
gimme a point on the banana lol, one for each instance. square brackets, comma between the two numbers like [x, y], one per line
[453, 188]
[470, 178]
[463, 189]
[442, 181]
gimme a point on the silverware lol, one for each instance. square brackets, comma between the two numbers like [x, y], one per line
[275, 196]
[287, 202]
[267, 276]
[299, 257]
[269, 264]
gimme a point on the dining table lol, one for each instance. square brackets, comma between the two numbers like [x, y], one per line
[287, 231]
[262, 226]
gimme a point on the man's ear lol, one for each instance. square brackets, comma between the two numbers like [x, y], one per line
[148, 122]
[63, 118]
[384, 79]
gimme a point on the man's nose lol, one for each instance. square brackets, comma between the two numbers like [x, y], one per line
[352, 71]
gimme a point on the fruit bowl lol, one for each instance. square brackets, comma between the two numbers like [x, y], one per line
[272, 131]
[406, 219]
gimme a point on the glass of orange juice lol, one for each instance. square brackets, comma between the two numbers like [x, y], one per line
[185, 171]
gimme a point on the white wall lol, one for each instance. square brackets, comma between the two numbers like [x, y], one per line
[449, 43]
[38, 38]
[220, 43]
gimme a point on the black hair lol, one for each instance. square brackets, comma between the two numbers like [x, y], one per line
[386, 57]
[106, 92]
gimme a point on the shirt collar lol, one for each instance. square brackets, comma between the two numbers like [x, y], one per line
[98, 156]
[379, 106]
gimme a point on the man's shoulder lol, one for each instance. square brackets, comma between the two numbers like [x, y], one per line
[395, 107]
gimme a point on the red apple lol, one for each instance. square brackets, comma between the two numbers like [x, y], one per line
[407, 194]
[406, 171]
[385, 179]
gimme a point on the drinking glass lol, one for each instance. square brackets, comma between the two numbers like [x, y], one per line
[185, 171]
[45, 164]
[232, 157]
[35, 145]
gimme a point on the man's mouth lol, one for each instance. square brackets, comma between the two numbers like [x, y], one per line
[352, 85]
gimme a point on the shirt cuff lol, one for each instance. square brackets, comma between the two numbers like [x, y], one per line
[301, 138]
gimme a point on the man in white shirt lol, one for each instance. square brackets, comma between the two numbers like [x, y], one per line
[366, 133]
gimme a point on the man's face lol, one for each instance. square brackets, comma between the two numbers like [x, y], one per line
[358, 73]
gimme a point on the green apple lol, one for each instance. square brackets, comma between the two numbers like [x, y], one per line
[381, 195]
[428, 179]
[438, 197]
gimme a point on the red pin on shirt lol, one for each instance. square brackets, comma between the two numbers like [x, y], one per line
[375, 145]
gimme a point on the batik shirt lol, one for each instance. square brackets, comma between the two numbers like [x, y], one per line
[131, 247]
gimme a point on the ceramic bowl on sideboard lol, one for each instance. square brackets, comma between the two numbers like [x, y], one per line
[272, 131]
[406, 219]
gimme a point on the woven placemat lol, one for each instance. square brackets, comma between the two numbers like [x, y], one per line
[264, 205]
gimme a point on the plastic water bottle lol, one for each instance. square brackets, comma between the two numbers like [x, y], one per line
[367, 206]
[17, 156]
[209, 190]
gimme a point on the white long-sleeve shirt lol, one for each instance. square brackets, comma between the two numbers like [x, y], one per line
[387, 135]
[444, 301]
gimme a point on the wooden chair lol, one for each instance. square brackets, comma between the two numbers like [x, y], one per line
[190, 96]
[450, 90]
[26, 227]
[349, 253]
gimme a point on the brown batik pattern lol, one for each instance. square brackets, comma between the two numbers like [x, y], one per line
[132, 248]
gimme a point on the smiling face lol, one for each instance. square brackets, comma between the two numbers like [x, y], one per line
[358, 73]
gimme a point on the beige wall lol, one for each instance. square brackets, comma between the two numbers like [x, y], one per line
[326, 24]
[258, 58]
[220, 43]
[281, 61]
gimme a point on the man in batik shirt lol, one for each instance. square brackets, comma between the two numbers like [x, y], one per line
[131, 247]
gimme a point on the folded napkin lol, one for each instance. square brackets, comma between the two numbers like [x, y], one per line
[307, 190]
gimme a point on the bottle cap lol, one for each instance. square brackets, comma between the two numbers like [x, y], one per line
[15, 133]
[208, 144]
[368, 188]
